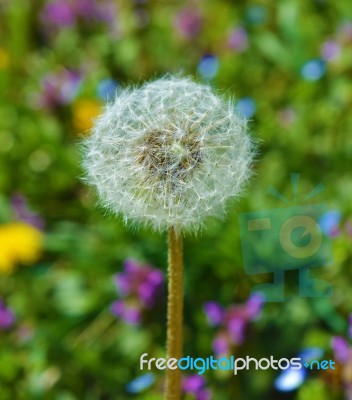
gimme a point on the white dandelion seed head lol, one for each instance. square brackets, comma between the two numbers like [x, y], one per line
[169, 153]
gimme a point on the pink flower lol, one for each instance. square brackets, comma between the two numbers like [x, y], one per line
[238, 40]
[188, 22]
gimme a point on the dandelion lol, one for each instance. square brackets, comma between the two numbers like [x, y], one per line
[19, 243]
[84, 112]
[169, 154]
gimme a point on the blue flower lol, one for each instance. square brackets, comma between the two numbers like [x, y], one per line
[329, 222]
[313, 70]
[311, 353]
[290, 379]
[140, 383]
[208, 66]
[106, 89]
[246, 106]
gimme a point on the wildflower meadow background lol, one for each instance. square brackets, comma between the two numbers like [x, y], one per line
[82, 296]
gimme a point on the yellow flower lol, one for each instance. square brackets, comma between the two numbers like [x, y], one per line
[84, 112]
[4, 59]
[19, 243]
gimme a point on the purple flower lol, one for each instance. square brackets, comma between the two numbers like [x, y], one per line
[214, 312]
[254, 305]
[59, 88]
[7, 317]
[129, 314]
[232, 321]
[195, 384]
[95, 10]
[188, 22]
[59, 13]
[123, 284]
[343, 354]
[236, 328]
[23, 213]
[221, 344]
[238, 40]
[132, 315]
[117, 308]
[330, 50]
[63, 13]
[140, 285]
[155, 277]
[145, 292]
[87, 9]
[203, 394]
[341, 349]
[141, 281]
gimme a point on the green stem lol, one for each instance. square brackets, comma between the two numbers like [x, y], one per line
[174, 313]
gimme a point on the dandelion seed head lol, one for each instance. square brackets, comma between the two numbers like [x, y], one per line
[168, 153]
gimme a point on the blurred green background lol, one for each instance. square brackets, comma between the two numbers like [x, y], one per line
[63, 336]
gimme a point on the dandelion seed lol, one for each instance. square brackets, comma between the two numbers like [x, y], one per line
[168, 154]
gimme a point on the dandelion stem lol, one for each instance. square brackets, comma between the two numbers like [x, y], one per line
[174, 313]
